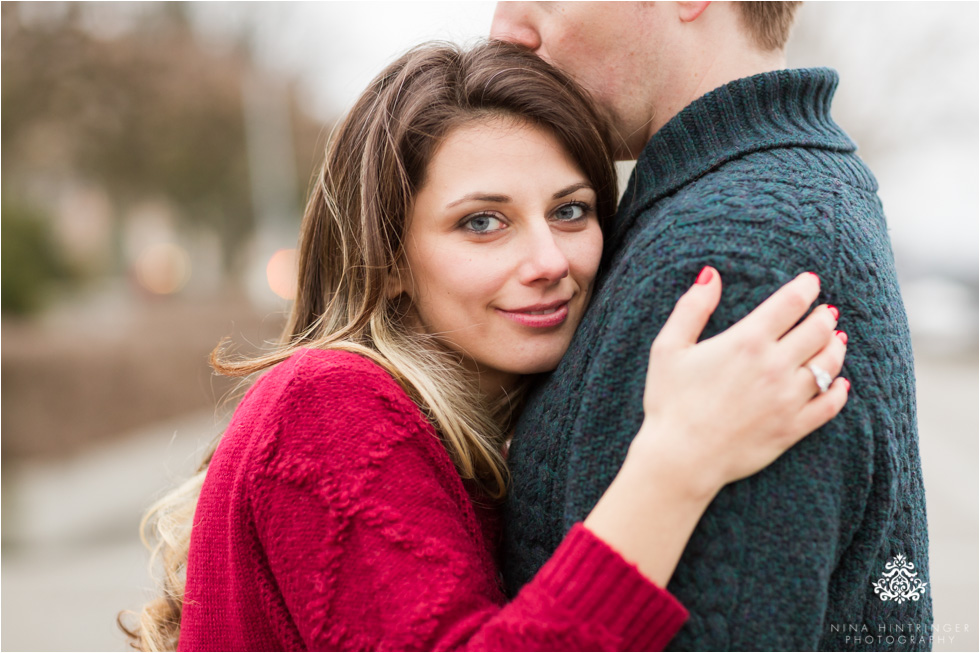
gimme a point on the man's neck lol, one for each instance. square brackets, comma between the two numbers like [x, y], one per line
[711, 73]
[699, 51]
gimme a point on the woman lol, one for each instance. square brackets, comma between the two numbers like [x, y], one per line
[448, 251]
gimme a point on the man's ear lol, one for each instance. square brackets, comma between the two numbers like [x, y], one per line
[690, 11]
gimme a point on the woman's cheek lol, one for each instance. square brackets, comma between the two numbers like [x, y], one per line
[587, 255]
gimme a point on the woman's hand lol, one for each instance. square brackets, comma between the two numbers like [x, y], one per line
[722, 409]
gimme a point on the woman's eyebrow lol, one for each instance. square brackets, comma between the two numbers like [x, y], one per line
[481, 197]
[571, 189]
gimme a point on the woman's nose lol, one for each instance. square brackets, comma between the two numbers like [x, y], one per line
[545, 261]
[511, 24]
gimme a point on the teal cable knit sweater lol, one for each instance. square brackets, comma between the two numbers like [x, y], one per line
[756, 180]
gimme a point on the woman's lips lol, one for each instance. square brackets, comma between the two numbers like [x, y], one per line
[538, 317]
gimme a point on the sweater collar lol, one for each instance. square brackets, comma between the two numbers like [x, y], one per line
[784, 108]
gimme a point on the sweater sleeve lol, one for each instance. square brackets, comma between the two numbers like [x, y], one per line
[371, 540]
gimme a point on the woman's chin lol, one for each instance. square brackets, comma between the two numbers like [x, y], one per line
[538, 364]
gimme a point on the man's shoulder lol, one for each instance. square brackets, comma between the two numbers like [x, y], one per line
[771, 178]
[784, 196]
[806, 168]
[760, 219]
[736, 213]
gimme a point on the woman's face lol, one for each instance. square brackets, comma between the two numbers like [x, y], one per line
[502, 247]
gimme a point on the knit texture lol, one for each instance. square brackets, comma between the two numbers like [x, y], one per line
[756, 180]
[332, 518]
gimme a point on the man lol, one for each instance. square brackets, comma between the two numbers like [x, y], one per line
[741, 167]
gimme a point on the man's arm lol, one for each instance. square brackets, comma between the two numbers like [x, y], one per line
[783, 556]
[786, 559]
[757, 569]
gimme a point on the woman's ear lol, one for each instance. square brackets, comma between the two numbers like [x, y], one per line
[397, 284]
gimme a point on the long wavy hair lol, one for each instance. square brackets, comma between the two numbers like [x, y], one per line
[349, 249]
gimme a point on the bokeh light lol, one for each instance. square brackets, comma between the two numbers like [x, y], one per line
[281, 273]
[163, 268]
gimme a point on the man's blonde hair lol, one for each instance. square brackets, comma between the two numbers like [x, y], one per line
[769, 23]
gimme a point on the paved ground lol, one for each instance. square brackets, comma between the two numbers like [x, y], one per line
[71, 555]
[71, 559]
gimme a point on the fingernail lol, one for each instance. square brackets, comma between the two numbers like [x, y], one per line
[833, 311]
[704, 276]
[814, 274]
[842, 336]
[847, 385]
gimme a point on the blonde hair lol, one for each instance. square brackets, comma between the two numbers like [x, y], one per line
[349, 249]
[769, 23]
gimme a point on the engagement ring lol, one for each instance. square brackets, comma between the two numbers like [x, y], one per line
[821, 376]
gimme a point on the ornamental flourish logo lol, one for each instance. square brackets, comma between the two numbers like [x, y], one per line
[899, 582]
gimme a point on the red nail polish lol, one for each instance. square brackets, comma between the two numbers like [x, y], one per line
[847, 385]
[816, 275]
[704, 276]
[842, 336]
[833, 311]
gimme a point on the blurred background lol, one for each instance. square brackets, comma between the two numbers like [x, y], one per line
[155, 159]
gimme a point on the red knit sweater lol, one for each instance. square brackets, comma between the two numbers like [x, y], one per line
[333, 518]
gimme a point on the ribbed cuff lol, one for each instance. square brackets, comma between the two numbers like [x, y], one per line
[590, 578]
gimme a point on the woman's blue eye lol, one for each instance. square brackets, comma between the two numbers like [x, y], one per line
[570, 212]
[483, 224]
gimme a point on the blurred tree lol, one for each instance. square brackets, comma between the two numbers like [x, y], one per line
[145, 113]
[31, 261]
